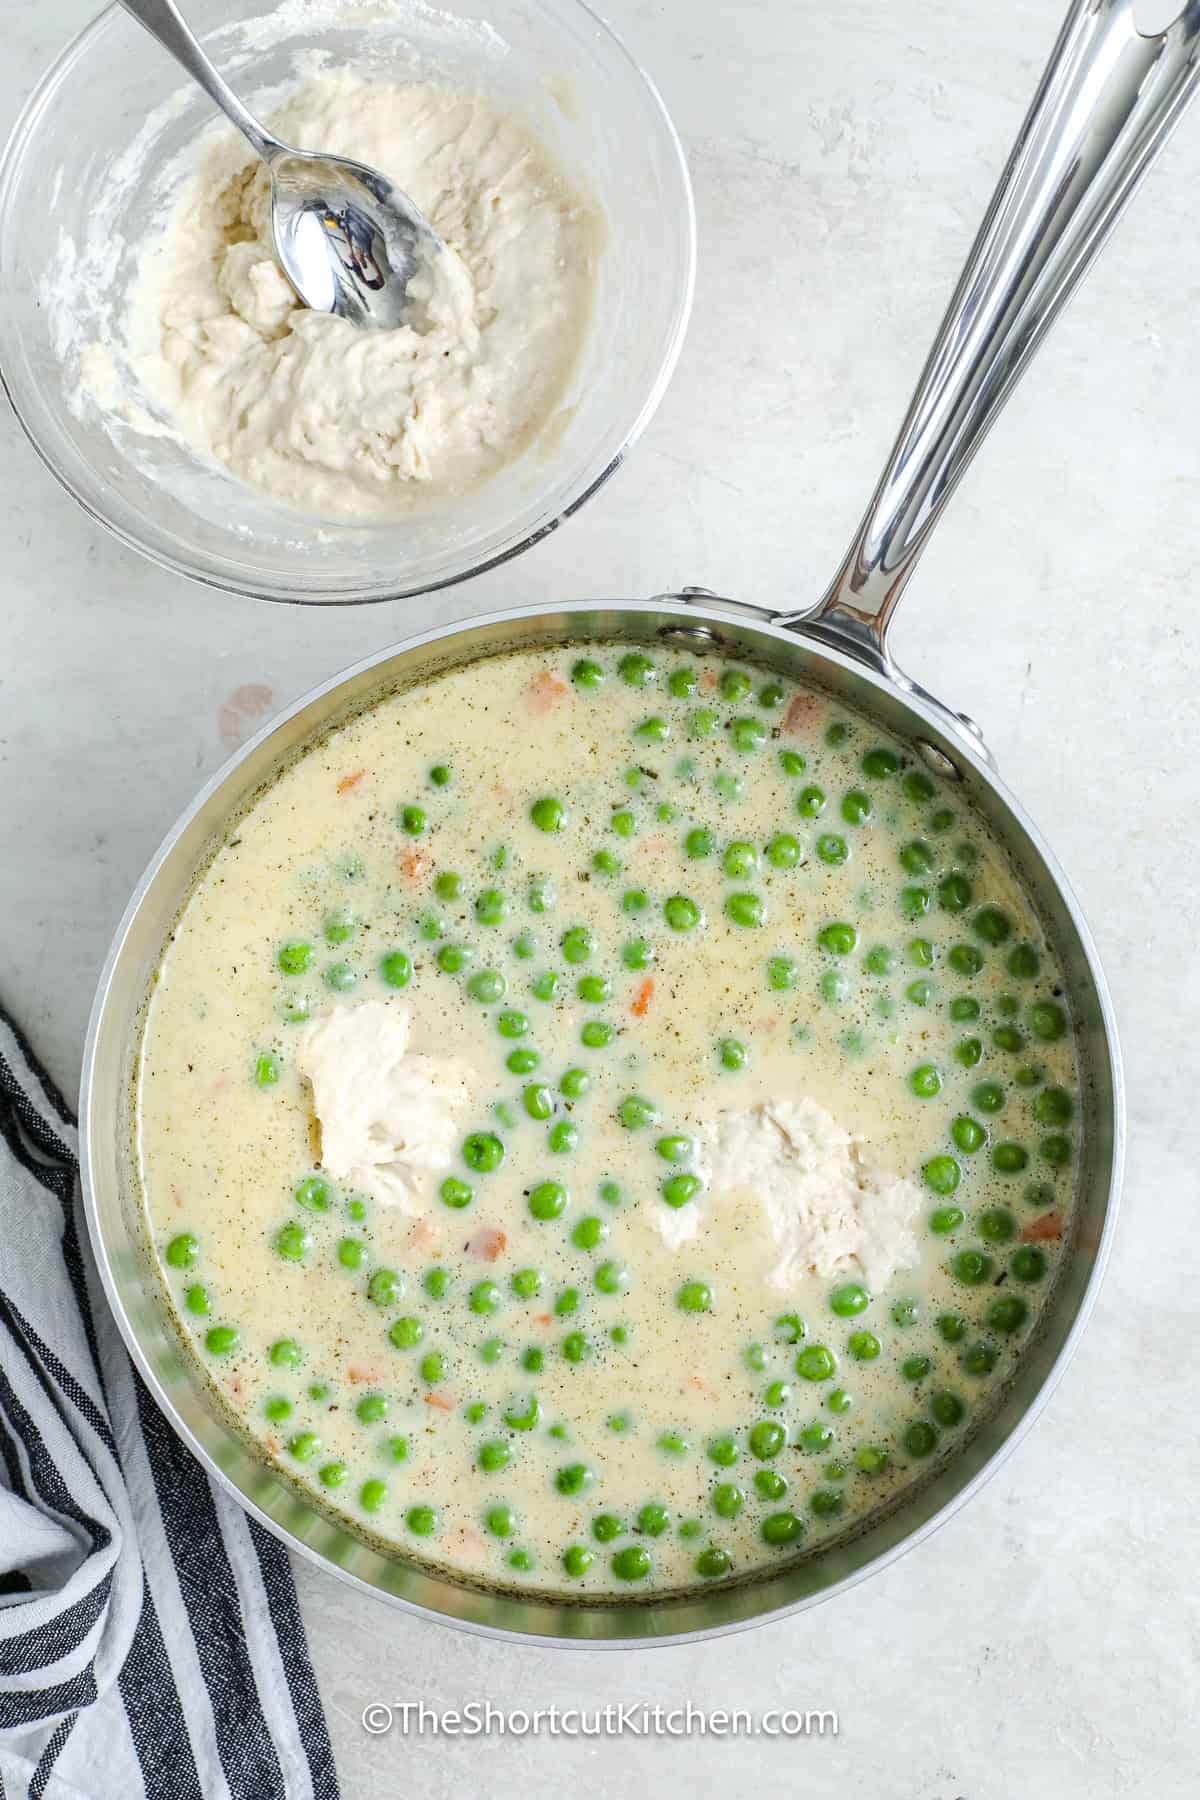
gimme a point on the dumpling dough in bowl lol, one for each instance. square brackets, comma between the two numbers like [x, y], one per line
[341, 422]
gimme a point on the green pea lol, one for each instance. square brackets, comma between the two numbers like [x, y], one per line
[636, 670]
[732, 1054]
[954, 893]
[681, 913]
[197, 1300]
[918, 787]
[916, 858]
[484, 1297]
[766, 1439]
[277, 1409]
[838, 939]
[992, 925]
[791, 762]
[544, 986]
[971, 1267]
[744, 909]
[848, 1299]
[915, 1368]
[653, 1519]
[267, 1069]
[872, 1459]
[332, 1474]
[653, 730]
[595, 1034]
[968, 1134]
[577, 1347]
[677, 1190]
[769, 1484]
[925, 1081]
[965, 960]
[1028, 1263]
[942, 1174]
[292, 1242]
[1023, 962]
[304, 1446]
[548, 1200]
[587, 674]
[968, 1051]
[351, 1253]
[589, 1233]
[863, 1346]
[222, 1340]
[781, 1529]
[920, 952]
[783, 851]
[1007, 1313]
[533, 1359]
[635, 1112]
[637, 953]
[682, 682]
[980, 1359]
[728, 1500]
[811, 803]
[295, 957]
[839, 1401]
[1047, 1020]
[314, 1194]
[964, 1007]
[632, 1563]
[286, 1353]
[740, 859]
[699, 842]
[183, 1250]
[453, 958]
[815, 1363]
[920, 1438]
[422, 1521]
[456, 1192]
[673, 1443]
[406, 1333]
[747, 734]
[574, 1478]
[712, 1563]
[432, 1367]
[997, 1225]
[578, 944]
[1007, 1037]
[612, 1278]
[548, 813]
[1009, 1158]
[702, 722]
[782, 972]
[832, 849]
[694, 1297]
[856, 807]
[815, 1438]
[482, 1151]
[594, 990]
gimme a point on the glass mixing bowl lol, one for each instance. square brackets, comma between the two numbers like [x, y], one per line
[77, 194]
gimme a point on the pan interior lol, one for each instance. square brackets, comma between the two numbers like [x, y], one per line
[118, 1204]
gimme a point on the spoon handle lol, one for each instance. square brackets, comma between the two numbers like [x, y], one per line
[163, 21]
[1108, 101]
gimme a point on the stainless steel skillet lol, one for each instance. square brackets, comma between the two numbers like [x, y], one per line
[1105, 106]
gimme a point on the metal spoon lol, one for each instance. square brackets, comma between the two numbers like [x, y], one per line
[347, 238]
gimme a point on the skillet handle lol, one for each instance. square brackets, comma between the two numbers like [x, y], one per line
[1107, 103]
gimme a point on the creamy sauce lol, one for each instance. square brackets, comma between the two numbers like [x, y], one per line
[345, 423]
[625, 902]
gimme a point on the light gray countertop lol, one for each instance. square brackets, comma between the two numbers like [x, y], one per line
[1044, 1644]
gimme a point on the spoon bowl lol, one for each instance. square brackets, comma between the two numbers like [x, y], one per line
[348, 239]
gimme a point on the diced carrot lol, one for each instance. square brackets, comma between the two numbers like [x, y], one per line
[543, 1318]
[272, 1443]
[416, 863]
[1046, 1230]
[487, 1243]
[708, 680]
[349, 781]
[545, 691]
[426, 1233]
[804, 710]
[643, 997]
[356, 1372]
[443, 1402]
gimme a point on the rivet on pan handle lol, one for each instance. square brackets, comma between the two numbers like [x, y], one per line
[1107, 103]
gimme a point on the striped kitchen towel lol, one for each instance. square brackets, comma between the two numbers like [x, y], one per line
[150, 1640]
